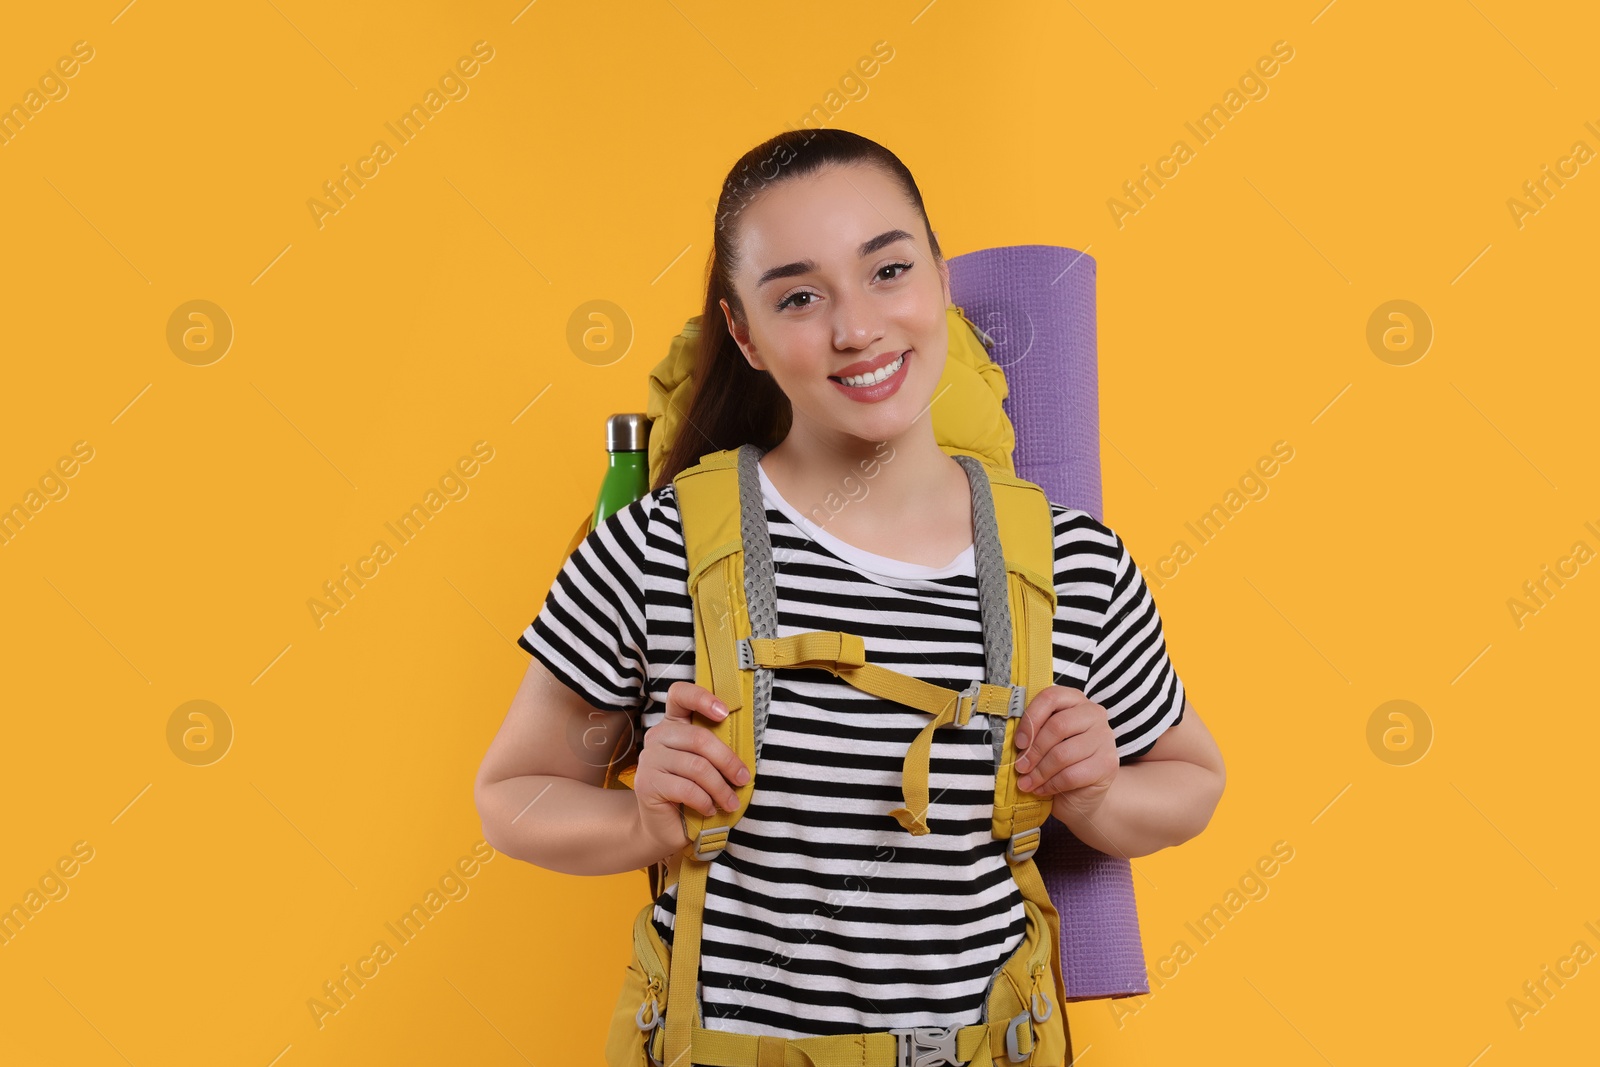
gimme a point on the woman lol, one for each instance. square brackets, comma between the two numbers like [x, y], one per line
[825, 338]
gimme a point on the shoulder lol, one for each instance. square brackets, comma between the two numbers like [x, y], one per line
[663, 501]
[1091, 558]
[1074, 529]
[648, 533]
[659, 513]
[627, 540]
[652, 514]
[1080, 534]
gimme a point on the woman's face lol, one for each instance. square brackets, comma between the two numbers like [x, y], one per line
[834, 271]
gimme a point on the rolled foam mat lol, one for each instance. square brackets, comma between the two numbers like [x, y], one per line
[1037, 302]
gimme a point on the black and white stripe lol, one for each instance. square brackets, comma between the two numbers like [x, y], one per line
[823, 915]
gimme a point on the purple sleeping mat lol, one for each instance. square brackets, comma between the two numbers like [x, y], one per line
[1037, 303]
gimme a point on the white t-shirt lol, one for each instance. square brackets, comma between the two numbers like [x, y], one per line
[823, 915]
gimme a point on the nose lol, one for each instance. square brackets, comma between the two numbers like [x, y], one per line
[856, 324]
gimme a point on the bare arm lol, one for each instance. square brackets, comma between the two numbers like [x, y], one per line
[1163, 798]
[539, 790]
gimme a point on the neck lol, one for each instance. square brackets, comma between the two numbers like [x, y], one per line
[886, 480]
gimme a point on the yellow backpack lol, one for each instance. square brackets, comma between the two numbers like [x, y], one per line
[657, 1019]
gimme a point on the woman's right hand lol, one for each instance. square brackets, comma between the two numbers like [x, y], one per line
[683, 762]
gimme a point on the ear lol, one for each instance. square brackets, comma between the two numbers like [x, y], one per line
[741, 336]
[944, 281]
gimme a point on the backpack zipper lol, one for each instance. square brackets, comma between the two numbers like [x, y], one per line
[1039, 965]
[655, 975]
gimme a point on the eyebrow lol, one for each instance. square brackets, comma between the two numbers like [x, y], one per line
[806, 266]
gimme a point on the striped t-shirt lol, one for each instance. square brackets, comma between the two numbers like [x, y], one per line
[823, 915]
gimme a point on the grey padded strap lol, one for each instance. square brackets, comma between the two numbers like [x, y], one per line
[760, 593]
[994, 595]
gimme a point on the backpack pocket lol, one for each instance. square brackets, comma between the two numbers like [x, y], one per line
[1032, 984]
[643, 998]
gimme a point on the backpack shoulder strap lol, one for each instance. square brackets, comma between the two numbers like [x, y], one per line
[721, 520]
[1015, 549]
[709, 505]
[1025, 528]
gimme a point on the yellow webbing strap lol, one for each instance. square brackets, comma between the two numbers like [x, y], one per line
[914, 778]
[683, 1014]
[845, 655]
[878, 1048]
[833, 650]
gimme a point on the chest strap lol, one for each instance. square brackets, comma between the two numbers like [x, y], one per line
[844, 655]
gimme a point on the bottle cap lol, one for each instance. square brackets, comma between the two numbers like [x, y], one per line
[627, 433]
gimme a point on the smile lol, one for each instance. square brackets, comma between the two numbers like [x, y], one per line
[857, 381]
[874, 386]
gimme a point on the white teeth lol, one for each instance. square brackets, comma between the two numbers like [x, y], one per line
[876, 376]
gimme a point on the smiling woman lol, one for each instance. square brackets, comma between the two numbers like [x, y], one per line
[835, 912]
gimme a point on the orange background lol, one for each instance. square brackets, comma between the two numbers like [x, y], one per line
[231, 872]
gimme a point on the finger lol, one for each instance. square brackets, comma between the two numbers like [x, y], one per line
[1044, 704]
[1064, 723]
[1049, 787]
[725, 762]
[692, 765]
[1066, 765]
[1066, 780]
[673, 782]
[679, 790]
[705, 742]
[697, 738]
[723, 758]
[1074, 716]
[686, 698]
[1051, 752]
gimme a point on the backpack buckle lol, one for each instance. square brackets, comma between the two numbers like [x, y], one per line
[1014, 1051]
[968, 700]
[649, 1040]
[1019, 701]
[747, 654]
[1025, 836]
[925, 1046]
[710, 842]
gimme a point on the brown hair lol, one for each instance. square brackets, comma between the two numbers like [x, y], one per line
[733, 403]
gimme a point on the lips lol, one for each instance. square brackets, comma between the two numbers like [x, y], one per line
[867, 366]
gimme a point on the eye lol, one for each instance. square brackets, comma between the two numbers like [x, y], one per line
[792, 297]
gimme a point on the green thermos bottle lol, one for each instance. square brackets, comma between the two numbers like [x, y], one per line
[628, 475]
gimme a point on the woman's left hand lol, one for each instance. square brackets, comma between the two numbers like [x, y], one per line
[1066, 745]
